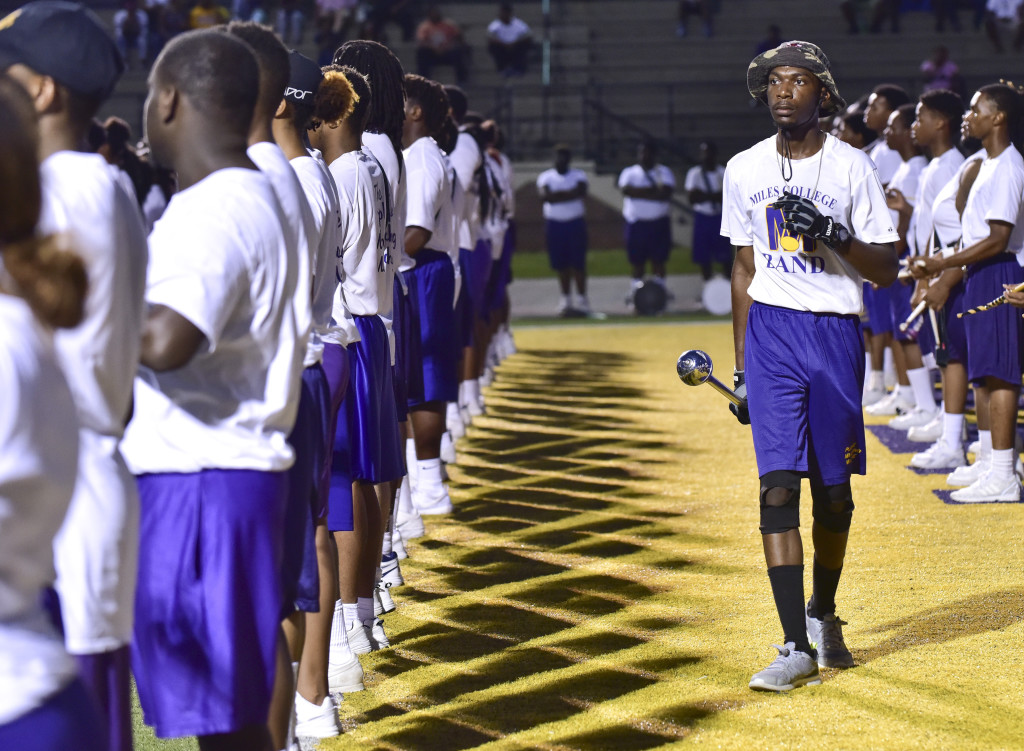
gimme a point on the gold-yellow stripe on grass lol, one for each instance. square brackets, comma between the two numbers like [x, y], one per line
[601, 584]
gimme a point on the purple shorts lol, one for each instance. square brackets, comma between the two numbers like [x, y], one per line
[994, 337]
[501, 271]
[208, 600]
[108, 676]
[335, 365]
[956, 335]
[876, 303]
[476, 270]
[435, 287]
[709, 244]
[651, 240]
[67, 720]
[371, 417]
[463, 314]
[567, 243]
[900, 309]
[805, 375]
[309, 438]
[408, 373]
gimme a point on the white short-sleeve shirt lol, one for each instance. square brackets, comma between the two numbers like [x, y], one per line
[508, 33]
[996, 196]
[430, 195]
[936, 175]
[906, 180]
[886, 160]
[83, 198]
[466, 159]
[797, 272]
[556, 182]
[945, 217]
[710, 181]
[221, 257]
[644, 209]
[380, 147]
[38, 462]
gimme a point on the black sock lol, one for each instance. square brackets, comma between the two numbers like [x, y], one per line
[788, 590]
[823, 599]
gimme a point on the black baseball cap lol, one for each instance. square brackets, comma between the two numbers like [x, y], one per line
[304, 78]
[65, 41]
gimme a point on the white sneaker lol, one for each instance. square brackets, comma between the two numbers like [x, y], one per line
[915, 418]
[473, 407]
[974, 447]
[378, 604]
[894, 404]
[448, 448]
[453, 421]
[873, 396]
[375, 631]
[989, 489]
[969, 473]
[939, 456]
[488, 377]
[467, 417]
[383, 592]
[398, 544]
[358, 639]
[432, 503]
[410, 526]
[390, 571]
[927, 433]
[312, 721]
[346, 675]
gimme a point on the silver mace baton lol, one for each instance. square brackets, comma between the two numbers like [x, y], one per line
[694, 368]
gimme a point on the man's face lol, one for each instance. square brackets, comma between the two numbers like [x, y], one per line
[927, 125]
[980, 118]
[645, 156]
[794, 96]
[896, 133]
[562, 161]
[876, 116]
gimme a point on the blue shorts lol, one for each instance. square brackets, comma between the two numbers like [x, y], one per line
[208, 600]
[435, 286]
[994, 337]
[309, 438]
[335, 364]
[900, 309]
[956, 334]
[651, 240]
[408, 372]
[805, 375]
[67, 720]
[371, 417]
[709, 245]
[567, 244]
[476, 270]
[878, 307]
[501, 271]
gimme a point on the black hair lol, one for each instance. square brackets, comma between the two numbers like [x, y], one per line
[95, 135]
[473, 118]
[1007, 100]
[895, 95]
[119, 134]
[272, 56]
[489, 132]
[216, 72]
[947, 104]
[906, 113]
[384, 73]
[448, 135]
[458, 101]
[563, 148]
[855, 121]
[431, 98]
[364, 94]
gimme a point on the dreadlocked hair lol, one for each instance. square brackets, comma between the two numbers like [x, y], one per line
[1007, 98]
[431, 98]
[384, 73]
[51, 280]
[336, 99]
[948, 105]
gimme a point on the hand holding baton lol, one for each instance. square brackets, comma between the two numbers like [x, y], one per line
[1001, 300]
[915, 313]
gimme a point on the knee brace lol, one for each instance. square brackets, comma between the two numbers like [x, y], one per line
[833, 506]
[780, 502]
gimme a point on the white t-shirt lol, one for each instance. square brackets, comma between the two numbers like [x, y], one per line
[510, 180]
[508, 33]
[843, 184]
[83, 198]
[369, 278]
[299, 225]
[153, 206]
[466, 159]
[698, 178]
[933, 178]
[221, 257]
[430, 195]
[495, 223]
[996, 196]
[38, 462]
[886, 160]
[380, 146]
[1004, 10]
[556, 182]
[644, 209]
[905, 180]
[945, 217]
[322, 197]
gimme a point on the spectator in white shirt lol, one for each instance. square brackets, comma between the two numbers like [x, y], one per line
[509, 41]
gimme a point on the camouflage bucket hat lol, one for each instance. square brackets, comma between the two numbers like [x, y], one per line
[795, 54]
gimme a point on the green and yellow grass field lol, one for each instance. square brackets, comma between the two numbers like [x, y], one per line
[601, 585]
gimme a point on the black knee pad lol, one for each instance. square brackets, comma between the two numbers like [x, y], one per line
[833, 506]
[780, 502]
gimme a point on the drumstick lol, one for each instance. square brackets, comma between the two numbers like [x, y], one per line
[913, 315]
[1001, 300]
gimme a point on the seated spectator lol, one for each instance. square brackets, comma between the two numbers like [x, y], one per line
[290, 22]
[701, 8]
[208, 14]
[939, 72]
[1004, 13]
[131, 30]
[509, 41]
[439, 42]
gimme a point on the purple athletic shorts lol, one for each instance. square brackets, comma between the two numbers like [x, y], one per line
[435, 287]
[67, 720]
[567, 243]
[651, 240]
[994, 337]
[805, 375]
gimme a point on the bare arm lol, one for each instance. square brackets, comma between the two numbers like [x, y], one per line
[169, 340]
[876, 263]
[742, 276]
[416, 238]
[996, 242]
[562, 196]
[656, 193]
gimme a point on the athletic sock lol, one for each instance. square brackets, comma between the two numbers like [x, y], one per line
[788, 590]
[339, 633]
[364, 608]
[429, 475]
[985, 445]
[351, 613]
[823, 598]
[1002, 464]
[921, 383]
[907, 393]
[405, 498]
[952, 430]
[888, 364]
[876, 380]
[410, 459]
[472, 390]
[386, 547]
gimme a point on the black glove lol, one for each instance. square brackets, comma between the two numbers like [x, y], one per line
[739, 385]
[803, 218]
